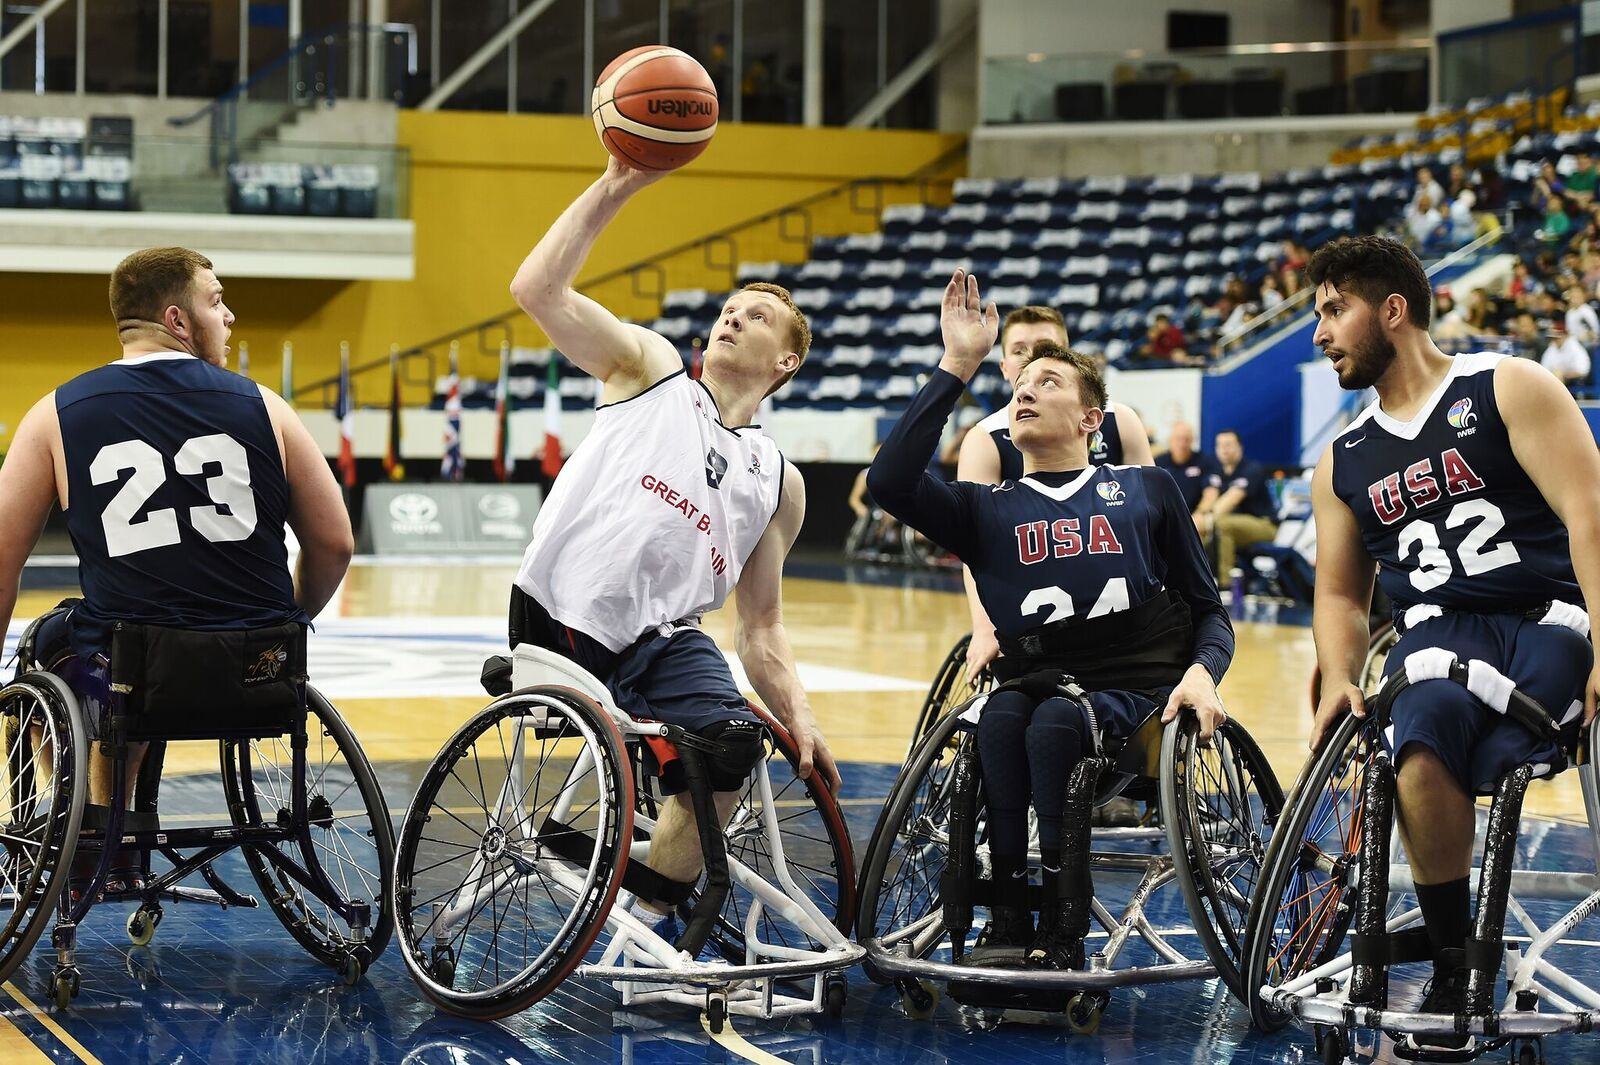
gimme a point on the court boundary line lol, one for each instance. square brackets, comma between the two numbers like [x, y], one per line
[61, 1034]
[734, 1043]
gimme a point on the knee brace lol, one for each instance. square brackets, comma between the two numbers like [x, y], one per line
[732, 750]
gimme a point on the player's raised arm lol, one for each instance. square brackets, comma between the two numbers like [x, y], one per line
[627, 358]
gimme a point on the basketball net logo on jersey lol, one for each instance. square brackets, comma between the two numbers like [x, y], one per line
[1461, 416]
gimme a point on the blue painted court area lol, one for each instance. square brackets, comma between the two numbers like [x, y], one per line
[232, 986]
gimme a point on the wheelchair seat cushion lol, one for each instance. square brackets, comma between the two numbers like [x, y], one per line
[1478, 743]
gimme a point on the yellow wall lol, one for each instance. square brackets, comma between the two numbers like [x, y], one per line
[483, 188]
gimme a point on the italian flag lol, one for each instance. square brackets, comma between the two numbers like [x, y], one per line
[551, 463]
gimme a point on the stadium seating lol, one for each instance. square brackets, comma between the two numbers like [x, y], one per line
[55, 163]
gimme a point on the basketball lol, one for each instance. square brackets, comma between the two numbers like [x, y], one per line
[654, 108]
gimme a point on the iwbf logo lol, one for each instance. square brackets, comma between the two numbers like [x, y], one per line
[414, 514]
[1461, 416]
[1111, 492]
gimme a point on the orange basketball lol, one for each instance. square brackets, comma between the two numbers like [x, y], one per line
[654, 107]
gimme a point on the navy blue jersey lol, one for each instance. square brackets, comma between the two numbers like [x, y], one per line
[1445, 508]
[1054, 547]
[1192, 475]
[176, 499]
[1252, 477]
[1105, 443]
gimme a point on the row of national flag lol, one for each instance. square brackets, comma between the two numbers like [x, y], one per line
[452, 467]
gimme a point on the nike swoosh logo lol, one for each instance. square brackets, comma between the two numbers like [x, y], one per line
[1353, 443]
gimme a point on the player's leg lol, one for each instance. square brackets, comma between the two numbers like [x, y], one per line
[1002, 754]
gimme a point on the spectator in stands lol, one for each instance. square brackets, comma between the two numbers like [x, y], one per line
[1164, 345]
[1459, 181]
[1491, 188]
[1521, 281]
[1292, 267]
[1271, 293]
[1193, 470]
[1525, 333]
[1426, 189]
[1582, 324]
[1557, 225]
[1235, 308]
[1425, 223]
[1581, 182]
[1236, 508]
[1463, 220]
[1548, 183]
[1567, 359]
[1589, 271]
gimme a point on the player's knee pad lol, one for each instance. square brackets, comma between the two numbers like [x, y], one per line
[736, 747]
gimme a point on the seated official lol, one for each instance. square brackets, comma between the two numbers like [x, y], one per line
[1236, 507]
[1095, 572]
[1191, 469]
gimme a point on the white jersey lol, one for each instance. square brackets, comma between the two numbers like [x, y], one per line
[653, 516]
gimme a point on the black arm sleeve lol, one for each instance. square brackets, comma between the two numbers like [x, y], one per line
[900, 481]
[1189, 575]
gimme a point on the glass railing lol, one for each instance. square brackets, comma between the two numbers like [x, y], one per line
[176, 174]
[1245, 81]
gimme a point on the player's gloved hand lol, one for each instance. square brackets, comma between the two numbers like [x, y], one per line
[1197, 690]
[1337, 698]
[982, 649]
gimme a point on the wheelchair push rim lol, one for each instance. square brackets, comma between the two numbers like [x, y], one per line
[41, 813]
[512, 852]
[1222, 800]
[348, 845]
[1304, 901]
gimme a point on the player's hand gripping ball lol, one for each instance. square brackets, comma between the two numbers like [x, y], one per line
[655, 108]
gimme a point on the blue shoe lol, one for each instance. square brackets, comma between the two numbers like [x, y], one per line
[667, 928]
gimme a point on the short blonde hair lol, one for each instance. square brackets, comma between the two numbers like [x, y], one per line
[1033, 315]
[799, 328]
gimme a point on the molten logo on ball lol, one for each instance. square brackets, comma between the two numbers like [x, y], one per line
[682, 108]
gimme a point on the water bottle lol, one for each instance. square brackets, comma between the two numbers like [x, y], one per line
[1236, 598]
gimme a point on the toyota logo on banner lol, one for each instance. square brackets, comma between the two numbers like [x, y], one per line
[414, 514]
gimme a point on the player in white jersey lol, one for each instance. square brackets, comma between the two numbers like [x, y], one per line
[672, 501]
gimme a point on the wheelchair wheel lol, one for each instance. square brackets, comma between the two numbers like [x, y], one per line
[512, 852]
[1224, 800]
[949, 690]
[42, 788]
[352, 838]
[816, 848]
[1304, 900]
[900, 876]
[1378, 644]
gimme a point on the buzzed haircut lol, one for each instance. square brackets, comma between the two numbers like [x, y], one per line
[1032, 315]
[1373, 269]
[799, 328]
[147, 282]
[1091, 382]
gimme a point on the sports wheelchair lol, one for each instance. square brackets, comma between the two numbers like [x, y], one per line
[1318, 890]
[303, 804]
[926, 868]
[539, 811]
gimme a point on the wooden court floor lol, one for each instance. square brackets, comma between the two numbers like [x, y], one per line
[399, 652]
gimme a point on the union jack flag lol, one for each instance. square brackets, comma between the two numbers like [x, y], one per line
[452, 468]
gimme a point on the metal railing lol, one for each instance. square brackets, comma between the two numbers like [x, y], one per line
[311, 71]
[648, 278]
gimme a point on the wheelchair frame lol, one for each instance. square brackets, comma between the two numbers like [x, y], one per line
[643, 966]
[899, 955]
[262, 842]
[1338, 995]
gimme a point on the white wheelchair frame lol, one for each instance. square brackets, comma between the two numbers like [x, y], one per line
[642, 965]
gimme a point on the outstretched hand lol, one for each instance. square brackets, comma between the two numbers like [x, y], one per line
[970, 329]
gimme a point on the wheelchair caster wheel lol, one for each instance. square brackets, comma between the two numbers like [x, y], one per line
[1528, 1052]
[716, 1012]
[1084, 1011]
[64, 987]
[1331, 1046]
[920, 999]
[834, 996]
[142, 926]
[350, 970]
